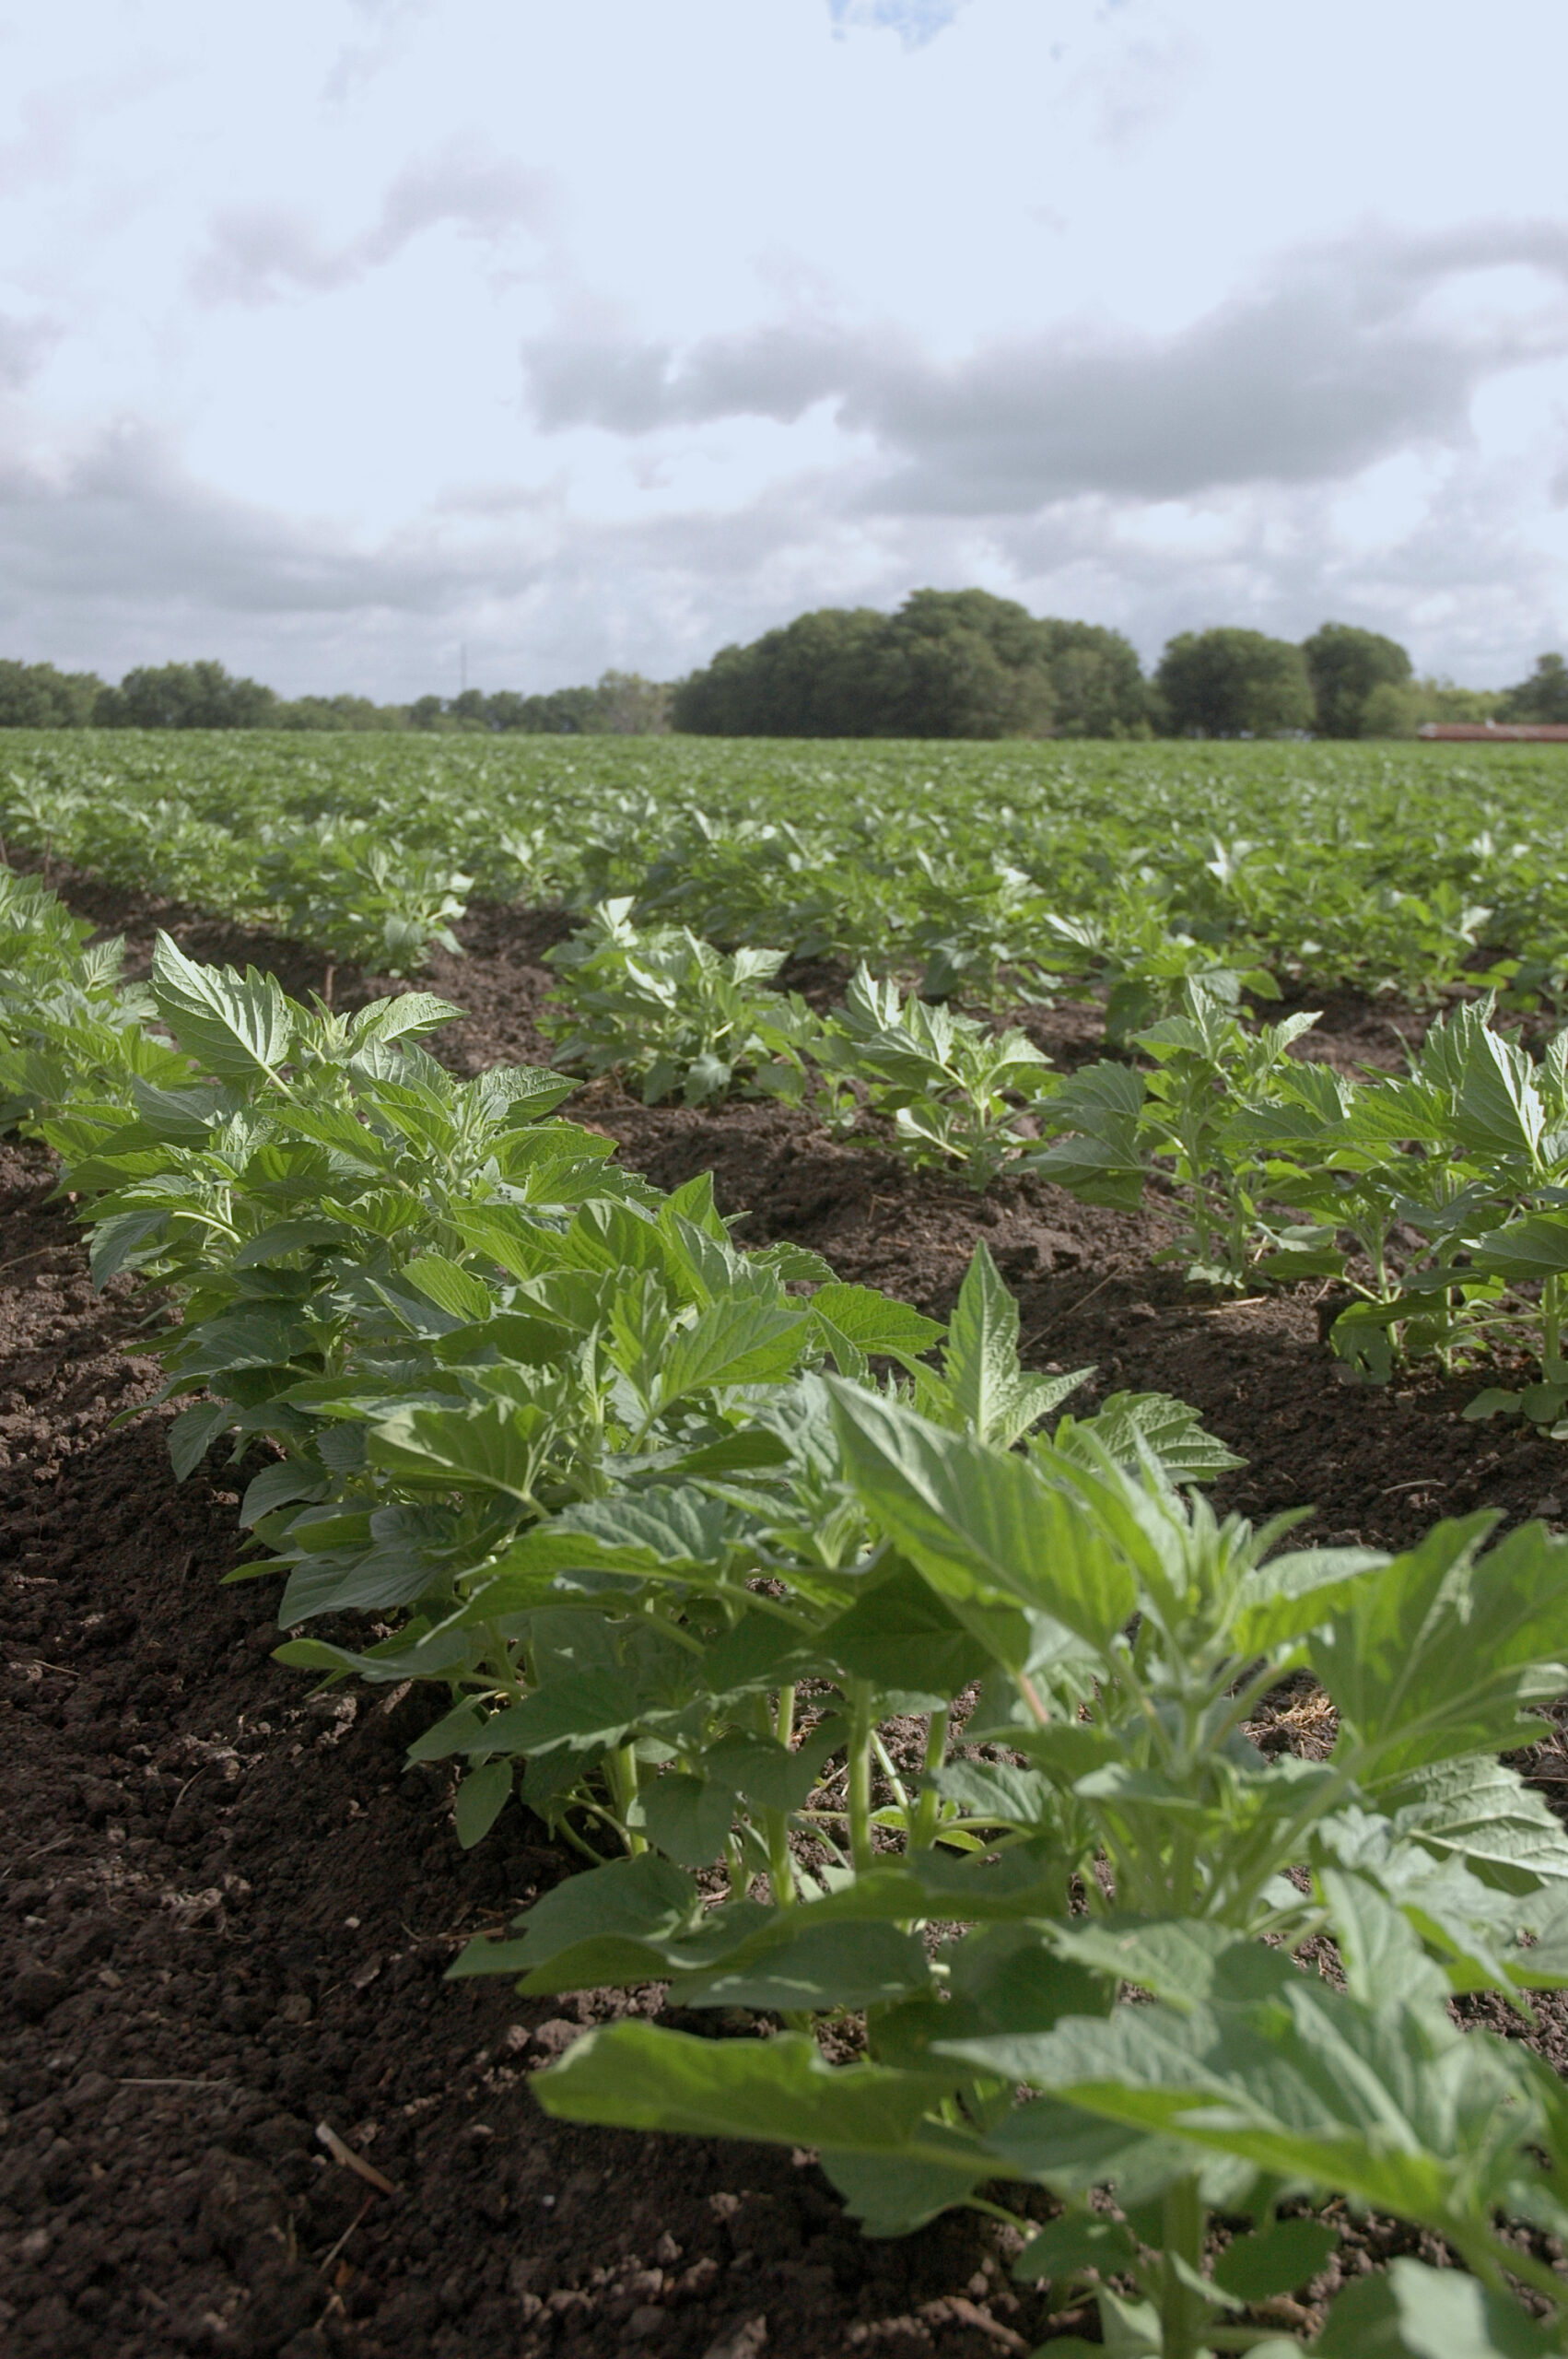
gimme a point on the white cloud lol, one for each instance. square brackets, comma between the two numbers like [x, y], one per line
[259, 253]
[1322, 368]
[1151, 310]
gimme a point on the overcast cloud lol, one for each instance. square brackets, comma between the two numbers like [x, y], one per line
[333, 341]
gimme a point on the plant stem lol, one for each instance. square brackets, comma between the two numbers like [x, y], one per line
[859, 1775]
[1183, 2311]
[922, 1829]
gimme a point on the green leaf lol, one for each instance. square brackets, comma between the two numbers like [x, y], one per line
[637, 2076]
[280, 1485]
[1078, 2241]
[997, 1794]
[1478, 1810]
[481, 1798]
[124, 1240]
[451, 1289]
[194, 1432]
[485, 1445]
[1128, 1423]
[975, 1517]
[1437, 1654]
[1412, 2312]
[770, 1776]
[742, 1338]
[238, 1027]
[1380, 2098]
[643, 1899]
[980, 1364]
[287, 1237]
[687, 1818]
[902, 1638]
[668, 1535]
[1296, 1592]
[892, 2197]
[394, 1019]
[872, 1322]
[582, 1709]
[1536, 1247]
[1281, 2260]
[822, 1966]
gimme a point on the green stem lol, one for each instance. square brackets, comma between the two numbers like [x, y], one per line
[621, 1767]
[922, 1830]
[781, 1865]
[859, 1779]
[1183, 2311]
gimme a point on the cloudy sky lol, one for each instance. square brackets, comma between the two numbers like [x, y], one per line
[339, 336]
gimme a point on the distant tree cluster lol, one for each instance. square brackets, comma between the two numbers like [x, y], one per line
[948, 664]
[205, 696]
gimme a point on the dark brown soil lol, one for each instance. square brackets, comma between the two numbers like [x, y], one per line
[225, 1909]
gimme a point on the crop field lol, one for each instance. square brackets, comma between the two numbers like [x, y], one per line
[784, 1547]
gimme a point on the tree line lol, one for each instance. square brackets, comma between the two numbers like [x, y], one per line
[948, 663]
[206, 696]
[964, 664]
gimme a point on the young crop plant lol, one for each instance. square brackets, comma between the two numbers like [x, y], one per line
[1130, 1836]
[362, 895]
[1113, 1126]
[955, 1090]
[1145, 962]
[668, 1009]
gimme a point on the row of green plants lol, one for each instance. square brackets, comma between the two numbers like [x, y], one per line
[1398, 869]
[1434, 1204]
[686, 1539]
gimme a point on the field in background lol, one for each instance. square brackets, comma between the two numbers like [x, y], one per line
[1384, 866]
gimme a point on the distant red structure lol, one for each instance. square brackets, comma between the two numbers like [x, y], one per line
[1498, 733]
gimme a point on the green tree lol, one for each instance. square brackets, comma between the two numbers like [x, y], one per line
[1345, 665]
[342, 713]
[185, 696]
[1233, 684]
[1096, 681]
[822, 676]
[948, 664]
[964, 664]
[35, 696]
[1543, 697]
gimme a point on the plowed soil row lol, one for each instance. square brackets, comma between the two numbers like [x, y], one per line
[225, 1909]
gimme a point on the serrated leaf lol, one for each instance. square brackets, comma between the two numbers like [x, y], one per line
[449, 1288]
[980, 1362]
[973, 1518]
[1169, 1430]
[194, 1432]
[637, 2076]
[485, 1445]
[1437, 1656]
[1297, 1591]
[238, 1027]
[875, 1323]
[739, 1340]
